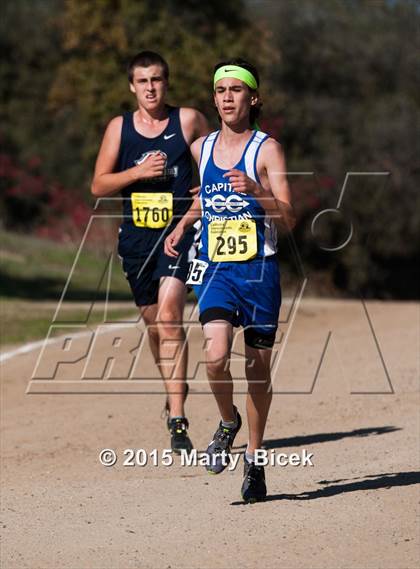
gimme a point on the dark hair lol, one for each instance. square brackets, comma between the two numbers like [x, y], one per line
[254, 112]
[146, 59]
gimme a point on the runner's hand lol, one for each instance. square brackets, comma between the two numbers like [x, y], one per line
[194, 191]
[172, 241]
[243, 183]
[151, 167]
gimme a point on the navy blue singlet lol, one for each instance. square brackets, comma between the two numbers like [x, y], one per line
[177, 177]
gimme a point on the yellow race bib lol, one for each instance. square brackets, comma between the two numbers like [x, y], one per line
[232, 240]
[152, 210]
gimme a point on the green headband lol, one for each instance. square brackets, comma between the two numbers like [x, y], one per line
[236, 72]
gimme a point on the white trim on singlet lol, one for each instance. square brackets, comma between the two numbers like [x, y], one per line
[270, 237]
[250, 160]
[206, 152]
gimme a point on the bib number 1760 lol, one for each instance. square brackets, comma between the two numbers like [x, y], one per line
[154, 214]
[151, 209]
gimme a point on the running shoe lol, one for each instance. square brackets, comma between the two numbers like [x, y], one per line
[180, 440]
[220, 447]
[253, 487]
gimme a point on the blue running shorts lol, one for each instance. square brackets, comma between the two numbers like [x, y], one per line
[245, 294]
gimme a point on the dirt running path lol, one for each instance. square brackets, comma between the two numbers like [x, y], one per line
[355, 508]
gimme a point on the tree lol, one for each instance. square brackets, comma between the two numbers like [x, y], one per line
[100, 38]
[350, 84]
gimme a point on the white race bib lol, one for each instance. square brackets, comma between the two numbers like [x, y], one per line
[196, 272]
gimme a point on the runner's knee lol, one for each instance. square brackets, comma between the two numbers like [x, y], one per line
[170, 316]
[217, 366]
[170, 325]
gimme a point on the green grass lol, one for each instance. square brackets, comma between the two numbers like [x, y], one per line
[23, 321]
[33, 276]
[34, 268]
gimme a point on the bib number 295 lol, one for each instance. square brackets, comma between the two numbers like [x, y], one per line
[232, 240]
[231, 245]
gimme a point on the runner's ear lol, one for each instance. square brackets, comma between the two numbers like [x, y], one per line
[132, 89]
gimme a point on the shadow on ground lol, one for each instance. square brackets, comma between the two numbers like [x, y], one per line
[302, 440]
[332, 487]
[371, 482]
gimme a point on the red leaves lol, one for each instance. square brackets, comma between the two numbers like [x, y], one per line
[32, 202]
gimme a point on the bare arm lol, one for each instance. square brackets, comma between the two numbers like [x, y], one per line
[107, 182]
[275, 197]
[279, 208]
[194, 124]
[201, 126]
[192, 215]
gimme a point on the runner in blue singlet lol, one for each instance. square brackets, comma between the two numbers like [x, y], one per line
[244, 199]
[145, 154]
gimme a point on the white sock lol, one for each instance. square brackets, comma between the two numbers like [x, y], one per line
[231, 424]
[249, 456]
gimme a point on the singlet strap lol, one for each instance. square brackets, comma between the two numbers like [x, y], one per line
[174, 117]
[206, 150]
[128, 123]
[250, 158]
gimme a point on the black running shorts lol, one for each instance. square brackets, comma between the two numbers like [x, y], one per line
[144, 266]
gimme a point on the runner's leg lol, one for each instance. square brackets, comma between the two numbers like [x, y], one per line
[148, 314]
[218, 335]
[259, 394]
[173, 346]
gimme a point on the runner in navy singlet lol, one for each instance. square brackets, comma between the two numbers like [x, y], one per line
[145, 155]
[244, 199]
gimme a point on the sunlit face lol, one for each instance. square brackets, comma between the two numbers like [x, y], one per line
[150, 86]
[233, 100]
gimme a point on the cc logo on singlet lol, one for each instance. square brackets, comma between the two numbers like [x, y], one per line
[220, 203]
